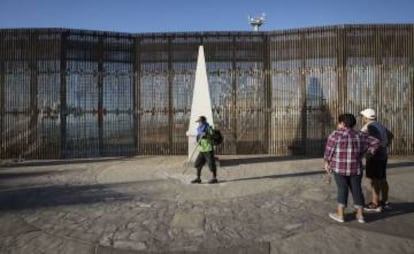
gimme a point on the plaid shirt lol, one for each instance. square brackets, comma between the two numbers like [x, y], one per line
[345, 149]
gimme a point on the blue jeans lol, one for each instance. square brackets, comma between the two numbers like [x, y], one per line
[353, 183]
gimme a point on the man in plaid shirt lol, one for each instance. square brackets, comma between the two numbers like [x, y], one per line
[343, 157]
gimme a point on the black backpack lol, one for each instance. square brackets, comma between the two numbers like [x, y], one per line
[215, 137]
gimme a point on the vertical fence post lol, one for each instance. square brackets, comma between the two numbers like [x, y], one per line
[170, 97]
[100, 93]
[267, 92]
[234, 111]
[137, 94]
[2, 98]
[411, 80]
[303, 112]
[378, 69]
[31, 148]
[63, 94]
[341, 69]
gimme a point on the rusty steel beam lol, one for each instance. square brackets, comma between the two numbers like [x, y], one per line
[100, 74]
[137, 94]
[267, 93]
[303, 102]
[342, 71]
[2, 104]
[170, 78]
[34, 110]
[234, 110]
[63, 95]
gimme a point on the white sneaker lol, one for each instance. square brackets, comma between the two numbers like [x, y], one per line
[360, 219]
[336, 217]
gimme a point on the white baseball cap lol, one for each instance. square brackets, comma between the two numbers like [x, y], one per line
[369, 113]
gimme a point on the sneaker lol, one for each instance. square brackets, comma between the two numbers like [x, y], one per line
[360, 219]
[371, 207]
[336, 217]
[386, 205]
[213, 180]
[197, 180]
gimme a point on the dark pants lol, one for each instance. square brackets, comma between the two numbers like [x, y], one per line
[343, 183]
[202, 159]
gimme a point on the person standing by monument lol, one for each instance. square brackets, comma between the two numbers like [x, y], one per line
[206, 150]
[376, 165]
[343, 155]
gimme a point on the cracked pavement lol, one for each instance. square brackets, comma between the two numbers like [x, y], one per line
[145, 204]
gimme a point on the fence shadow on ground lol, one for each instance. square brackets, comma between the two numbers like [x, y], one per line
[60, 195]
[269, 158]
[236, 162]
[400, 164]
[6, 176]
[34, 163]
[277, 176]
[10, 176]
[259, 159]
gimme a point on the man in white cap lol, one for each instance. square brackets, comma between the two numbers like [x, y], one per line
[376, 164]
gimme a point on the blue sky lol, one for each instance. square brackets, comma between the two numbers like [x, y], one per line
[138, 16]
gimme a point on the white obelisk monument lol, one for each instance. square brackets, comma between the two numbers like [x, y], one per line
[201, 104]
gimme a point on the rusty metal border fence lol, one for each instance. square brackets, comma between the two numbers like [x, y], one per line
[70, 93]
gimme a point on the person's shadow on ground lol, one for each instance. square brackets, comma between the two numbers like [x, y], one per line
[397, 221]
[396, 209]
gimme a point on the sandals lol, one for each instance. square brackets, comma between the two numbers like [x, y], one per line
[371, 207]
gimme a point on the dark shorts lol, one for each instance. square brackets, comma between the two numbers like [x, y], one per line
[376, 169]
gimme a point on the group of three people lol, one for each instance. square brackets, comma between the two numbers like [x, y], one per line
[344, 152]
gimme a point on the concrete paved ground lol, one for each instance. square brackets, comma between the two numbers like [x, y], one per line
[145, 204]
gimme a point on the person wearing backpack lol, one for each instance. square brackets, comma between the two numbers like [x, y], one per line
[376, 165]
[206, 150]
